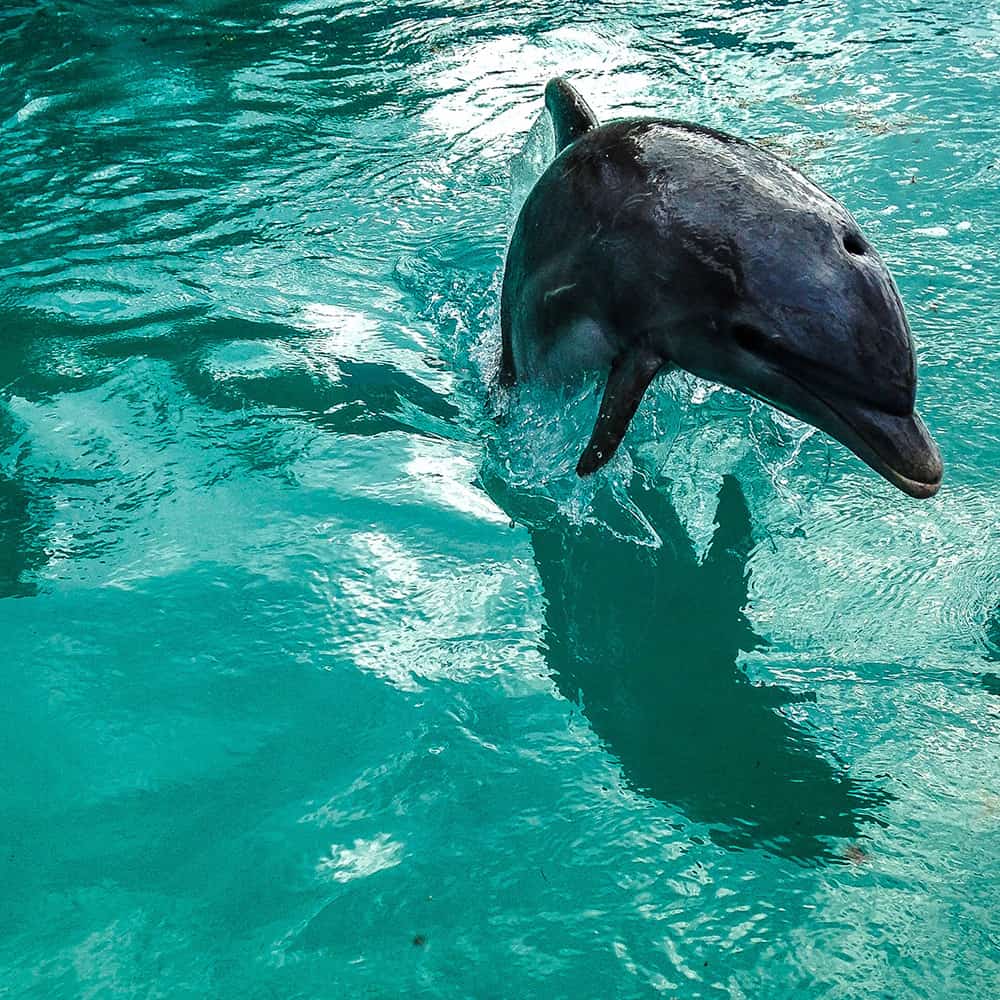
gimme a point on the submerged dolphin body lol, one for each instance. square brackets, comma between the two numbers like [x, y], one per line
[649, 244]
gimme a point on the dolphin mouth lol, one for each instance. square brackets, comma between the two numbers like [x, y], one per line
[899, 448]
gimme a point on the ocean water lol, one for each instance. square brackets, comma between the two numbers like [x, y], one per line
[322, 674]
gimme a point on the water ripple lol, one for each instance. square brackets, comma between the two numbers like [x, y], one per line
[322, 667]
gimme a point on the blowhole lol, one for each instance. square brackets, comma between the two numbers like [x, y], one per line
[853, 244]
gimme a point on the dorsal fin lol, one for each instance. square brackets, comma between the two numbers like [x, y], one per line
[571, 115]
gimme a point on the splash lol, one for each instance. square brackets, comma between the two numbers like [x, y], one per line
[530, 161]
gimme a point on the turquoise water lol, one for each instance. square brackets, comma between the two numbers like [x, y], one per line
[319, 680]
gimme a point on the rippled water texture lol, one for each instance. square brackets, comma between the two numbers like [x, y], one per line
[321, 681]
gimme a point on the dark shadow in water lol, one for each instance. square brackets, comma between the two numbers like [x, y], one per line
[647, 642]
[355, 397]
[21, 548]
[360, 397]
[18, 552]
[989, 680]
[991, 636]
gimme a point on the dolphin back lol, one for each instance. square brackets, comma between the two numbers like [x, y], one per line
[571, 114]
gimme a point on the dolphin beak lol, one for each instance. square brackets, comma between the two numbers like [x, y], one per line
[899, 448]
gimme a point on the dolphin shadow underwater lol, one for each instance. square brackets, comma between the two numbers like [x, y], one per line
[647, 642]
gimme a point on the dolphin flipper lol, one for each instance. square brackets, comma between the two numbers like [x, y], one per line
[630, 376]
[571, 115]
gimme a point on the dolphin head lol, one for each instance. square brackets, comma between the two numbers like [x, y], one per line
[803, 315]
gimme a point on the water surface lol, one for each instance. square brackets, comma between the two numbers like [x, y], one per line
[319, 681]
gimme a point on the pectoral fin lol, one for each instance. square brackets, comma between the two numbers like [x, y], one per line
[630, 376]
[571, 115]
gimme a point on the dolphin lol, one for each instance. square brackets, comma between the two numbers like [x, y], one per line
[650, 244]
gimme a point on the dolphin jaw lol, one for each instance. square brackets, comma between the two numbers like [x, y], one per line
[927, 469]
[878, 438]
[911, 487]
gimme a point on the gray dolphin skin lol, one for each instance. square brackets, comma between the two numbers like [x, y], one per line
[650, 244]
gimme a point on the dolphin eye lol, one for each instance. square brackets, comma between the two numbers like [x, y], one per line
[854, 244]
[752, 339]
